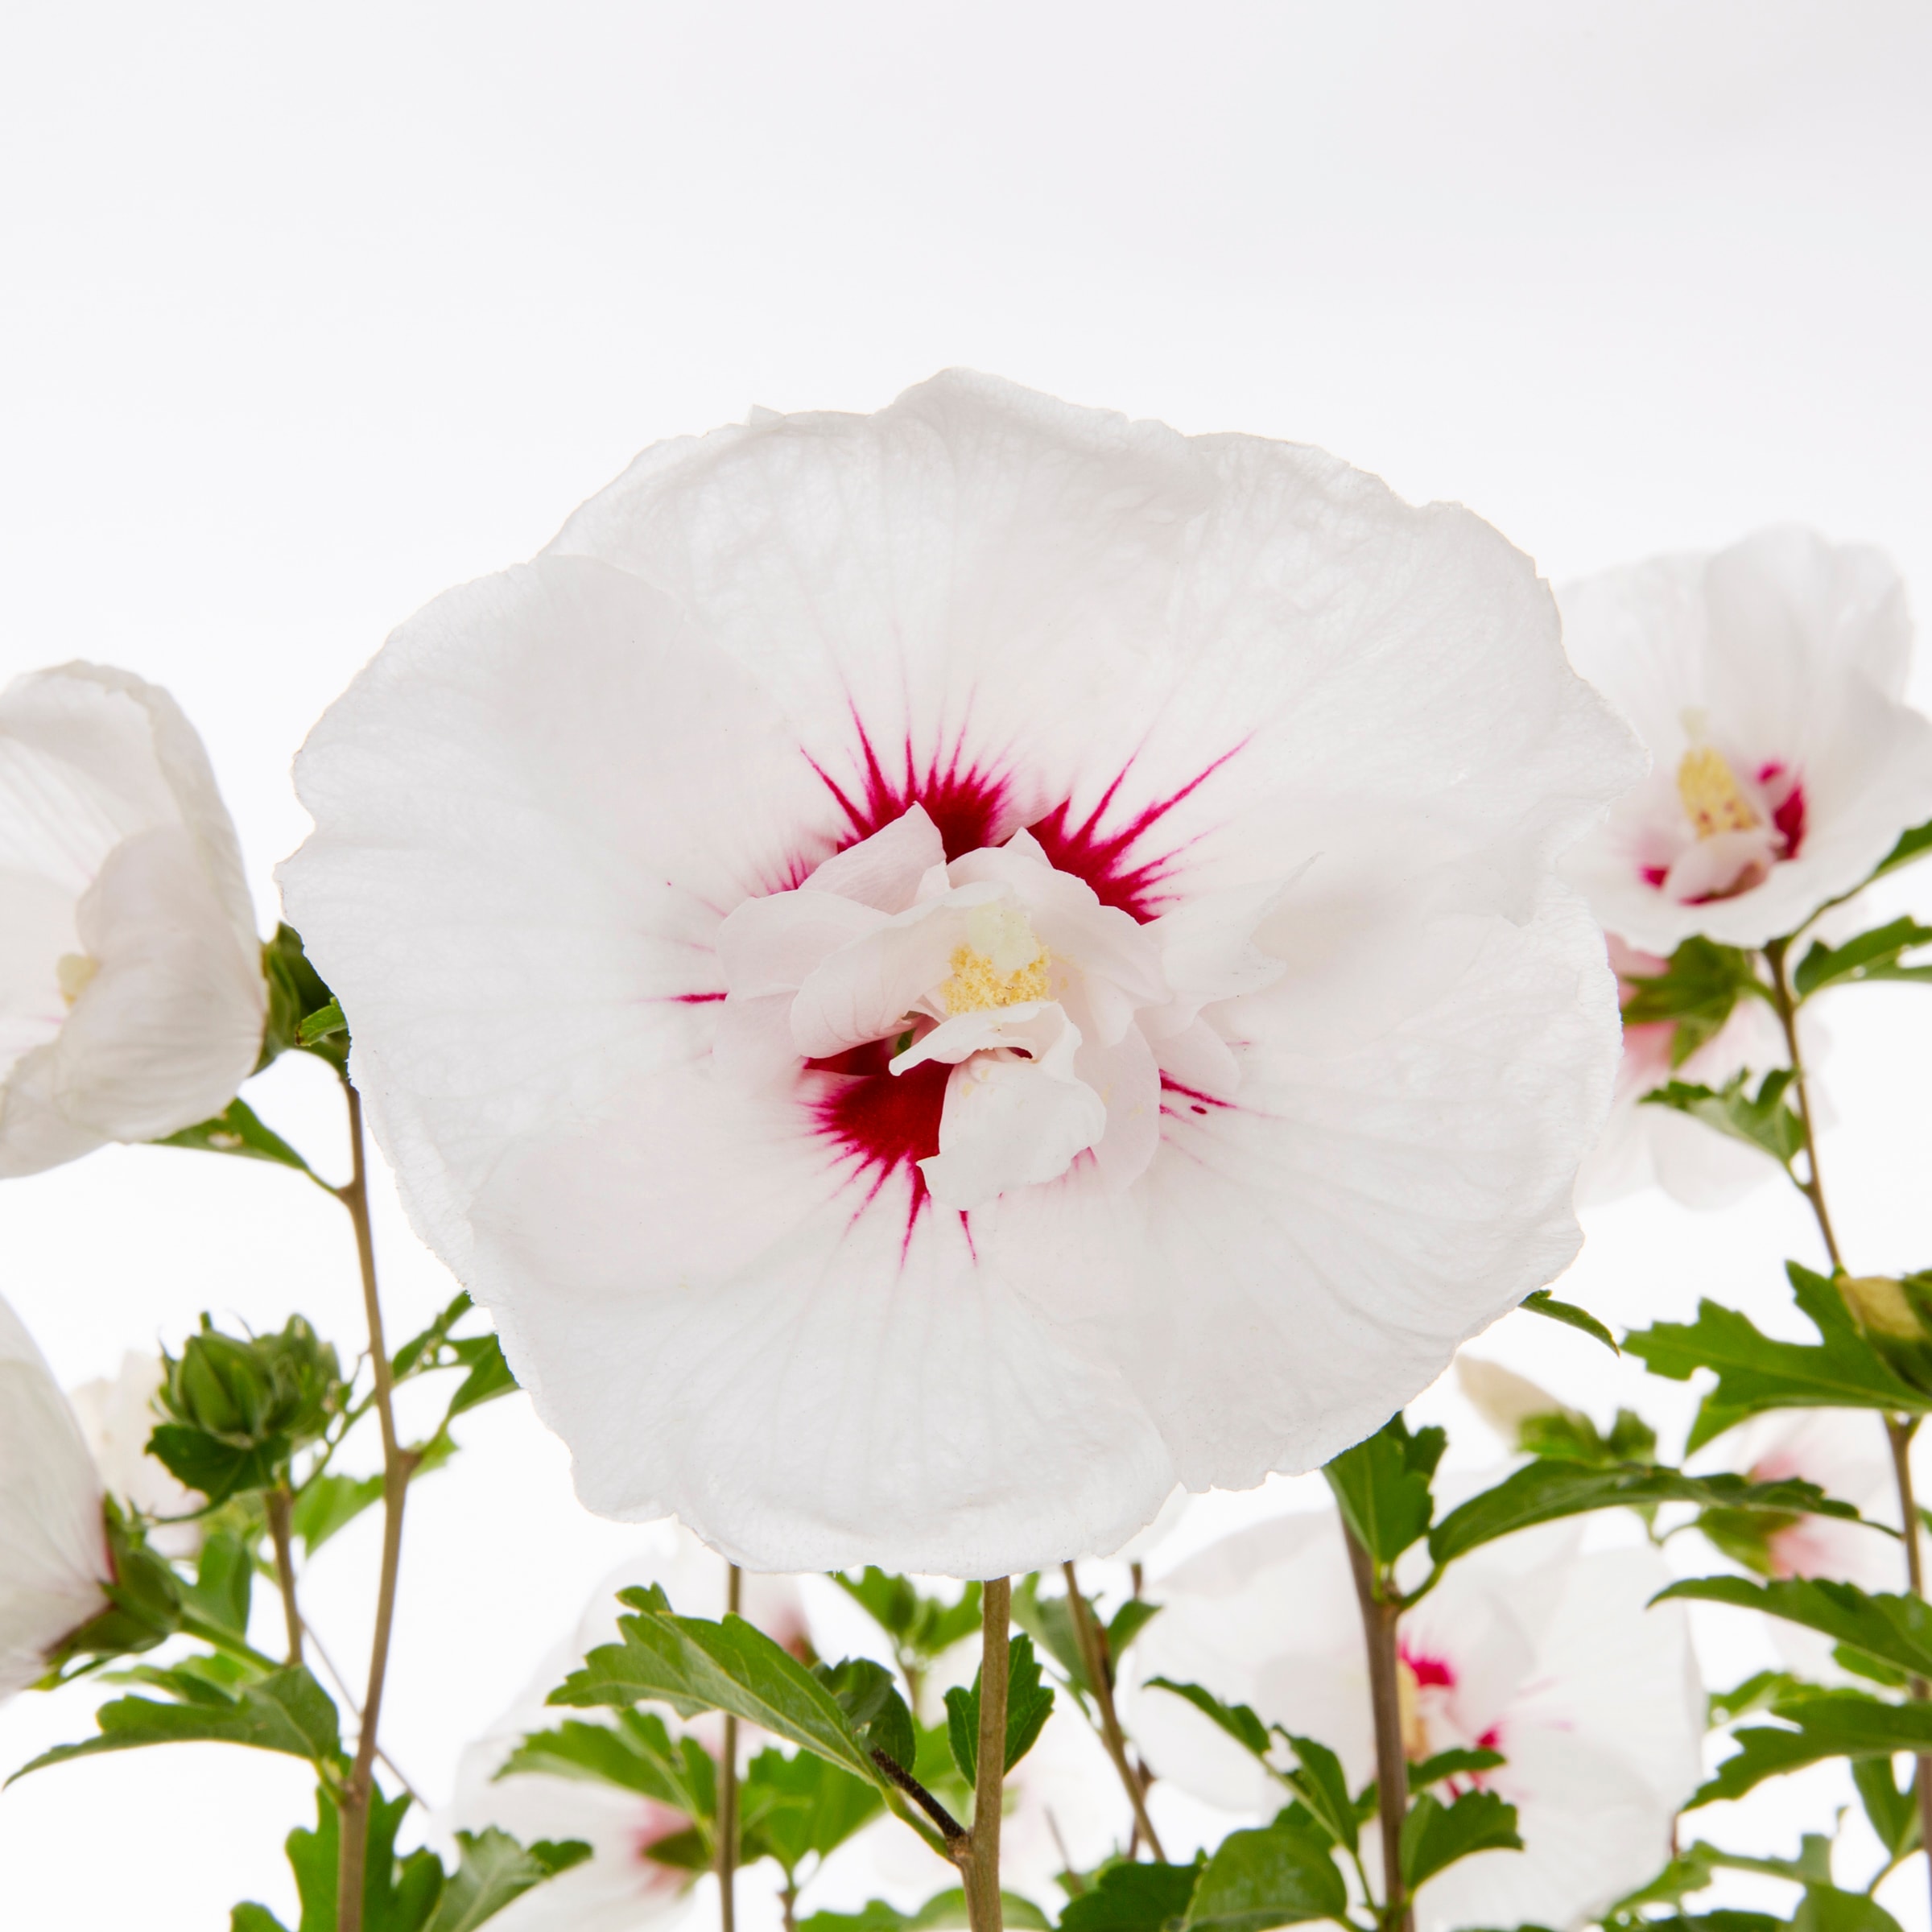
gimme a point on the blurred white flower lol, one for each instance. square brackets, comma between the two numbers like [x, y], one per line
[53, 1547]
[1192, 803]
[132, 999]
[116, 1415]
[1766, 680]
[1524, 1648]
[619, 1886]
[1642, 1146]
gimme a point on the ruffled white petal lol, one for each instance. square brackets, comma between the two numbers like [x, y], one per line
[53, 1552]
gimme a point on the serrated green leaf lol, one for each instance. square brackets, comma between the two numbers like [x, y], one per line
[495, 1871]
[1755, 1372]
[296, 996]
[287, 1711]
[1871, 955]
[327, 1504]
[1894, 1814]
[1824, 1724]
[1544, 1303]
[236, 1130]
[323, 1024]
[218, 1469]
[1281, 1875]
[946, 1908]
[251, 1917]
[1451, 1764]
[1129, 1897]
[1130, 1620]
[637, 1753]
[1318, 1780]
[1696, 992]
[1896, 1630]
[922, 1626]
[873, 1709]
[694, 1665]
[1912, 844]
[1048, 1621]
[1382, 1486]
[791, 1807]
[1758, 1692]
[488, 1376]
[1546, 1491]
[224, 1584]
[1238, 1720]
[1434, 1835]
[1826, 1909]
[1029, 1704]
[1763, 1120]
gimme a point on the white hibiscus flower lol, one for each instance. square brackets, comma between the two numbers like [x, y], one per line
[619, 1886]
[1766, 682]
[1525, 1647]
[116, 1415]
[132, 999]
[53, 1547]
[942, 972]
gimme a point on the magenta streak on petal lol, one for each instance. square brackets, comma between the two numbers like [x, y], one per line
[1197, 1101]
[693, 999]
[884, 1123]
[1429, 1671]
[1655, 875]
[968, 804]
[1103, 860]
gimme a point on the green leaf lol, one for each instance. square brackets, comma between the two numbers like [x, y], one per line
[218, 1469]
[1569, 1436]
[1893, 1813]
[251, 1917]
[1130, 1620]
[1544, 1491]
[1048, 1621]
[923, 1626]
[488, 1377]
[327, 1504]
[287, 1711]
[1896, 1630]
[1435, 1835]
[793, 1806]
[1544, 1303]
[1029, 1704]
[236, 1129]
[1129, 1897]
[693, 1664]
[224, 1582]
[323, 1024]
[1451, 1764]
[1912, 844]
[1758, 1692]
[1382, 1485]
[1826, 1909]
[1763, 1120]
[1871, 955]
[1238, 1720]
[299, 1005]
[873, 1709]
[1318, 1780]
[1824, 1723]
[1755, 1372]
[637, 1753]
[1281, 1875]
[1697, 992]
[495, 1871]
[946, 1908]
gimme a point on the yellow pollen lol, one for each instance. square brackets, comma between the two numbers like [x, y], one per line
[1713, 801]
[1002, 963]
[1415, 1727]
[73, 970]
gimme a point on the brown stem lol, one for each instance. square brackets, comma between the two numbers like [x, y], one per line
[280, 1504]
[1380, 1611]
[980, 1858]
[1813, 1186]
[397, 1468]
[1099, 1673]
[1899, 1431]
[958, 1838]
[728, 1786]
[788, 1902]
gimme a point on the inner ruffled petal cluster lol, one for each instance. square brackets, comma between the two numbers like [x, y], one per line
[1052, 1011]
[1719, 824]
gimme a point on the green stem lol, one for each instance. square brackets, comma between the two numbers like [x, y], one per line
[1380, 1611]
[1813, 1186]
[280, 1504]
[1100, 1674]
[353, 1807]
[728, 1785]
[979, 1856]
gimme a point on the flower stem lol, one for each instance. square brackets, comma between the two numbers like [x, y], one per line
[980, 1857]
[1099, 1673]
[398, 1465]
[728, 1784]
[280, 1504]
[1813, 1186]
[1899, 1428]
[1380, 1611]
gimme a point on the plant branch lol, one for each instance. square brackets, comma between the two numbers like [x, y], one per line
[1812, 1186]
[1899, 1431]
[728, 1783]
[1380, 1611]
[398, 1465]
[954, 1834]
[1099, 1673]
[979, 1856]
[280, 1503]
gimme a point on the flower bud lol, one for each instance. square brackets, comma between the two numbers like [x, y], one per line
[287, 1384]
[1881, 1306]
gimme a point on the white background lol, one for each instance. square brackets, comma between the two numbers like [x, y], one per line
[309, 313]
